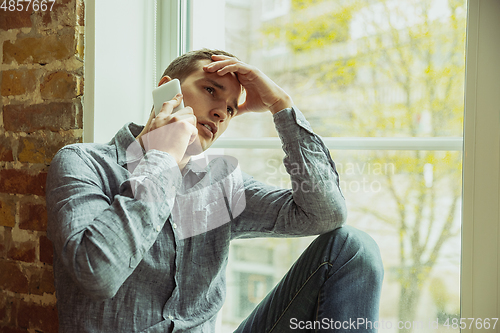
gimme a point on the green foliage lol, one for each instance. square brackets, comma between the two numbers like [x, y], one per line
[323, 30]
[439, 293]
[405, 78]
[339, 72]
[298, 5]
[305, 31]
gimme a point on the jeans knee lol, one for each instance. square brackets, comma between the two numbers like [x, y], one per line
[359, 251]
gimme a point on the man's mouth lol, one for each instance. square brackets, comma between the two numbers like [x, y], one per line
[209, 129]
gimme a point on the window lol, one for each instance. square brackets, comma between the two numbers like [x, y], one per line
[274, 8]
[362, 156]
[123, 63]
[382, 82]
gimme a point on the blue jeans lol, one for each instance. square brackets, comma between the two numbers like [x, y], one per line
[334, 286]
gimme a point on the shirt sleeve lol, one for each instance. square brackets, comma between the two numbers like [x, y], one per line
[100, 237]
[315, 203]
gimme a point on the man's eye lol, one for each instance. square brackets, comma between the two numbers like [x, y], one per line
[210, 90]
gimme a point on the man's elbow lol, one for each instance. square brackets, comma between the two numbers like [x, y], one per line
[99, 282]
[98, 289]
[332, 217]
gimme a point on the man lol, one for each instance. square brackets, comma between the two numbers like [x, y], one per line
[141, 232]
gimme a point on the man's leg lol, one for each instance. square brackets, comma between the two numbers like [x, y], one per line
[334, 286]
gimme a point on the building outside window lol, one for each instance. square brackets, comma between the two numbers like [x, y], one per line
[382, 82]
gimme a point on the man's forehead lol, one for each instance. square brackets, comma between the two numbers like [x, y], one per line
[228, 81]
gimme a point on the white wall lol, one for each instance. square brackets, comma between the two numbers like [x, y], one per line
[124, 66]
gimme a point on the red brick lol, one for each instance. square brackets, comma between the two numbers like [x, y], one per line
[33, 217]
[12, 277]
[15, 20]
[3, 246]
[38, 317]
[41, 147]
[42, 50]
[46, 250]
[6, 149]
[4, 309]
[7, 212]
[52, 116]
[8, 314]
[41, 280]
[6, 238]
[59, 85]
[18, 82]
[22, 251]
[60, 15]
[22, 182]
[32, 150]
[5, 329]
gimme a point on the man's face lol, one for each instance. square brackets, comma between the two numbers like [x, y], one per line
[214, 100]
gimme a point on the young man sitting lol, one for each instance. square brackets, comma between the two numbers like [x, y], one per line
[141, 232]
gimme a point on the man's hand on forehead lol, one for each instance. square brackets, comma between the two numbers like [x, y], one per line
[262, 94]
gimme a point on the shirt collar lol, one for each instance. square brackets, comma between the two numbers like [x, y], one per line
[128, 148]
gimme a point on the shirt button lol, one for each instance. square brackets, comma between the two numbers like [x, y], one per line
[174, 226]
[170, 317]
[158, 228]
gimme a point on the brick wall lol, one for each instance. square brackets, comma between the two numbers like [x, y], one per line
[41, 88]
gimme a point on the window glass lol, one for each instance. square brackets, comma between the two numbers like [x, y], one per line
[408, 201]
[357, 68]
[363, 68]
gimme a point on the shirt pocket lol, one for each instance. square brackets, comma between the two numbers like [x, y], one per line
[211, 247]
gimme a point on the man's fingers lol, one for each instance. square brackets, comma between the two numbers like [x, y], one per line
[194, 135]
[164, 118]
[221, 56]
[237, 68]
[242, 108]
[216, 65]
[178, 117]
[168, 106]
[189, 117]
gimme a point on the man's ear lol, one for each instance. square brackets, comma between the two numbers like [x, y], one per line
[164, 80]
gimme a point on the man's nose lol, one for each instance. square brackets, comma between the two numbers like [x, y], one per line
[219, 110]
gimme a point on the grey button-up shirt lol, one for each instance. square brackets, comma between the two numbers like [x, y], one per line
[142, 247]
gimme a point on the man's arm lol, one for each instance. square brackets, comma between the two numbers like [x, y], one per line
[315, 203]
[98, 237]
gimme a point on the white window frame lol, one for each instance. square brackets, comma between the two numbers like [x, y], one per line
[169, 24]
[480, 267]
[480, 282]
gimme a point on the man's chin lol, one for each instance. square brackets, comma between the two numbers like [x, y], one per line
[197, 147]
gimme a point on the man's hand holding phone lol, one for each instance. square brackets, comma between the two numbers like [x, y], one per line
[171, 132]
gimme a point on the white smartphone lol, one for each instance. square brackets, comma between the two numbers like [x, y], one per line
[165, 93]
